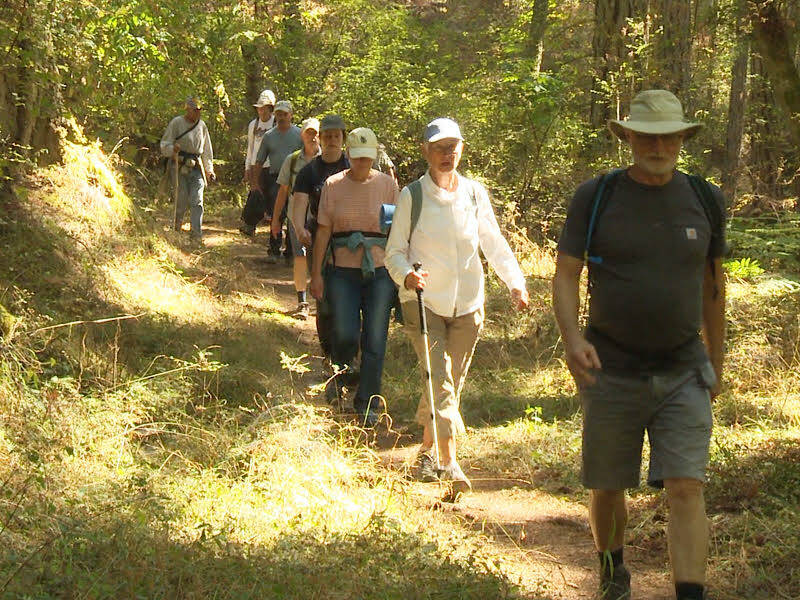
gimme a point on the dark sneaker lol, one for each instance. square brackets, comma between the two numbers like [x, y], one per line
[177, 226]
[333, 391]
[425, 467]
[247, 230]
[616, 585]
[455, 475]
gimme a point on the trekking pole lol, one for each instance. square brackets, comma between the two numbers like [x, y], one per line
[423, 328]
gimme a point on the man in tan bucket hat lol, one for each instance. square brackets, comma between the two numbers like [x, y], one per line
[652, 239]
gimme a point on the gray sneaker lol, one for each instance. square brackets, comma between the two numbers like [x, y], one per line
[615, 585]
[454, 474]
[302, 311]
[425, 468]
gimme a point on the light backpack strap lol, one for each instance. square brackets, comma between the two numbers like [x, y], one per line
[415, 188]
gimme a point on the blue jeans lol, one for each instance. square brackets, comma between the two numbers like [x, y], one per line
[190, 195]
[351, 295]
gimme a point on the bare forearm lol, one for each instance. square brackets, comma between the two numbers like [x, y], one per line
[714, 314]
[298, 215]
[566, 299]
[321, 240]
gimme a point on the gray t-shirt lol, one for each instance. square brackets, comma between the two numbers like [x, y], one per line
[277, 145]
[645, 309]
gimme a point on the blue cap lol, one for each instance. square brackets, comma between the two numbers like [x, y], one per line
[442, 128]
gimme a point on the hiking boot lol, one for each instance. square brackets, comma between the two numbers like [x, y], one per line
[248, 230]
[425, 467]
[455, 475]
[616, 585]
[177, 226]
[302, 311]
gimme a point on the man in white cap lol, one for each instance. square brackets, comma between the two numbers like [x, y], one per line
[442, 221]
[652, 239]
[186, 141]
[278, 143]
[309, 131]
[255, 205]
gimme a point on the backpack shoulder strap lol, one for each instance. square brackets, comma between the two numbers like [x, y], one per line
[415, 187]
[602, 193]
[713, 212]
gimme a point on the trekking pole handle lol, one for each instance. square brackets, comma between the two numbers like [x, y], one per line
[423, 323]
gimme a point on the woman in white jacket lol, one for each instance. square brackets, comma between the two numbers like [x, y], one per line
[455, 220]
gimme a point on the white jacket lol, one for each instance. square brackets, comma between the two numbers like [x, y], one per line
[451, 227]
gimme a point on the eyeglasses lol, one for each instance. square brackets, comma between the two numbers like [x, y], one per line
[445, 148]
[668, 139]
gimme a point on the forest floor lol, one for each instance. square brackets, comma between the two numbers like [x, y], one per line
[542, 541]
[164, 432]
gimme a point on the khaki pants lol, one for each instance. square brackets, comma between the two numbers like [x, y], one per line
[452, 341]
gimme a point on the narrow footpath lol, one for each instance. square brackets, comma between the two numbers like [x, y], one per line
[541, 541]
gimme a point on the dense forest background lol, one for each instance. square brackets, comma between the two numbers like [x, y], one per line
[532, 82]
[163, 427]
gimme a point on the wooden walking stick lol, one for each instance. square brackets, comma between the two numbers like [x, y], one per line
[176, 191]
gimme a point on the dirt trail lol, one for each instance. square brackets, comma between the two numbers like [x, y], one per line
[543, 541]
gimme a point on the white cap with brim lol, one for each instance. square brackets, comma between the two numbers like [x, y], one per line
[362, 143]
[440, 129]
[654, 112]
[310, 123]
[265, 98]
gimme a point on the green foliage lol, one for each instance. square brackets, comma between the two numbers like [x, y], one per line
[743, 268]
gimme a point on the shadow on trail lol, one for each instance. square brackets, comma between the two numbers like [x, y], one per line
[133, 555]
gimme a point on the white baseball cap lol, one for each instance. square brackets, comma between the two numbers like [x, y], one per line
[362, 143]
[265, 98]
[310, 123]
[442, 128]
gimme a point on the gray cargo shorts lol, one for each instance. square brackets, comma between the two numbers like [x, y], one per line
[674, 410]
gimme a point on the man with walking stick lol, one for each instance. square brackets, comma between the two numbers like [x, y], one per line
[186, 141]
[441, 221]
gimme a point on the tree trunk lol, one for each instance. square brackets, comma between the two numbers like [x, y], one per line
[772, 42]
[535, 41]
[736, 108]
[673, 47]
[608, 50]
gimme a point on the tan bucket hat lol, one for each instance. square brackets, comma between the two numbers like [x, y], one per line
[657, 112]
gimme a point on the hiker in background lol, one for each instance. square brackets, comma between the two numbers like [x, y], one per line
[278, 143]
[187, 142]
[454, 220]
[384, 164]
[358, 286]
[307, 192]
[653, 250]
[286, 178]
[255, 203]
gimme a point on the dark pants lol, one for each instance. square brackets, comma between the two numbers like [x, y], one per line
[258, 204]
[275, 242]
[360, 308]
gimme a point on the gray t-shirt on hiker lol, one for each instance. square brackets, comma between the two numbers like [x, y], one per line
[277, 145]
[645, 309]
